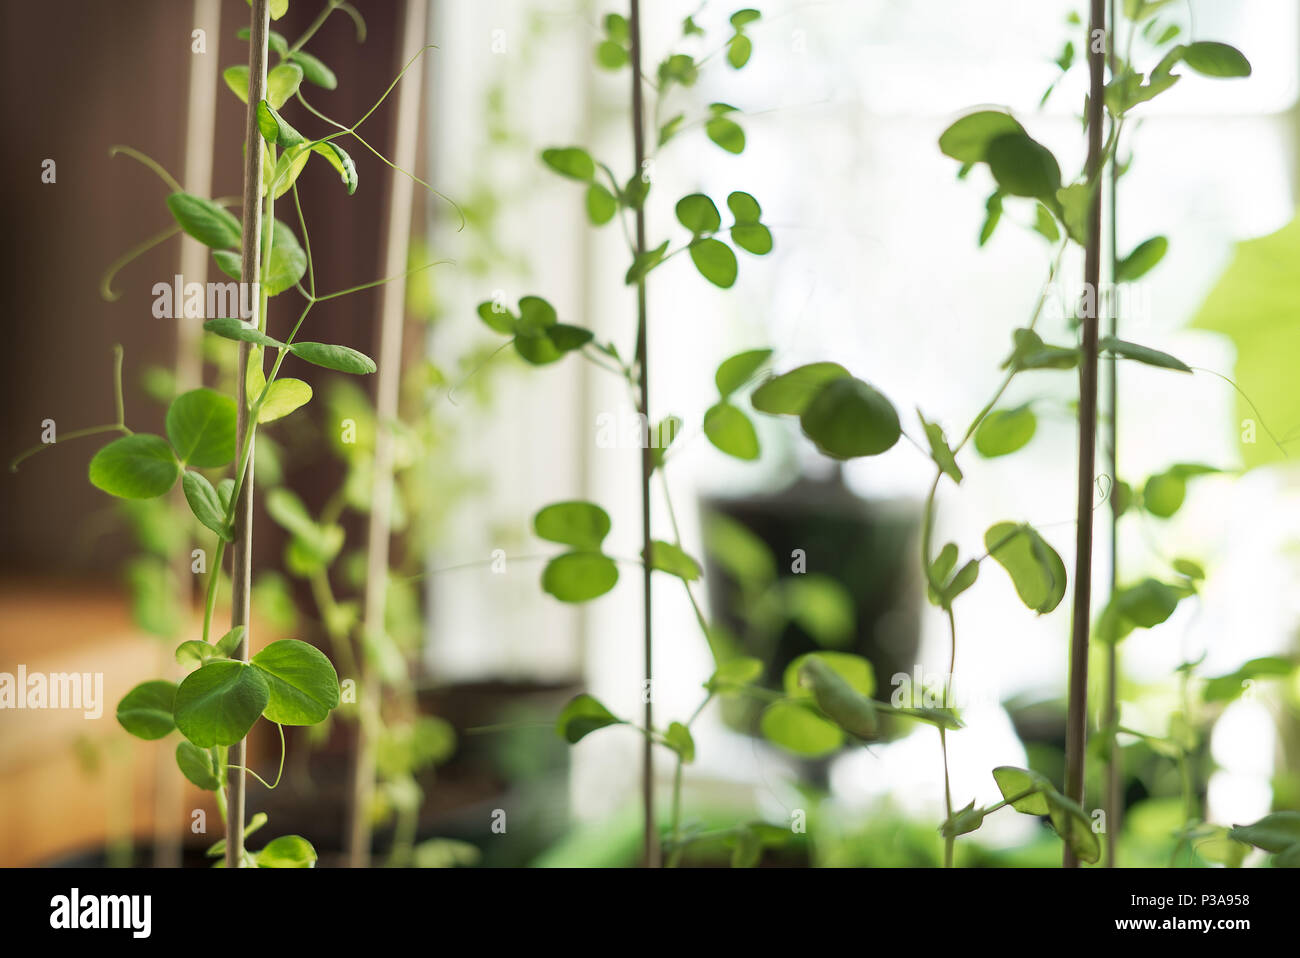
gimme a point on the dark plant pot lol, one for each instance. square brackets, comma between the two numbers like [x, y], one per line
[869, 547]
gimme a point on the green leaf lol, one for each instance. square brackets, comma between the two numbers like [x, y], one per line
[287, 851]
[798, 728]
[282, 82]
[135, 467]
[236, 78]
[314, 71]
[601, 204]
[201, 427]
[844, 705]
[497, 318]
[205, 504]
[218, 703]
[940, 451]
[1275, 832]
[1074, 201]
[1224, 688]
[752, 238]
[1216, 59]
[1163, 494]
[343, 358]
[301, 683]
[617, 28]
[146, 711]
[1004, 431]
[240, 330]
[739, 48]
[645, 262]
[1143, 354]
[229, 263]
[679, 68]
[196, 764]
[730, 431]
[581, 716]
[848, 418]
[666, 557]
[284, 396]
[228, 643]
[1024, 167]
[218, 848]
[1027, 787]
[1148, 603]
[1032, 353]
[734, 673]
[205, 221]
[737, 370]
[338, 158]
[853, 670]
[698, 214]
[275, 129]
[1045, 224]
[288, 262]
[678, 738]
[744, 208]
[572, 161]
[726, 133]
[579, 576]
[1035, 569]
[1187, 567]
[743, 18]
[193, 652]
[1075, 828]
[790, 393]
[611, 55]
[963, 822]
[671, 128]
[968, 139]
[1142, 260]
[583, 525]
[715, 261]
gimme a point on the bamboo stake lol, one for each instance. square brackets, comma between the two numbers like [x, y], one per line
[241, 561]
[200, 120]
[1077, 713]
[392, 311]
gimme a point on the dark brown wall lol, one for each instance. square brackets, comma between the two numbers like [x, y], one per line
[80, 76]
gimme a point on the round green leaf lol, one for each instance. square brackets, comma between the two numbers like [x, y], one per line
[218, 703]
[752, 238]
[282, 82]
[737, 370]
[497, 317]
[790, 393]
[282, 397]
[715, 261]
[287, 851]
[744, 208]
[201, 427]
[730, 431]
[799, 729]
[678, 738]
[968, 139]
[314, 71]
[581, 716]
[205, 504]
[672, 559]
[343, 358]
[726, 134]
[1036, 570]
[698, 214]
[196, 764]
[822, 607]
[146, 711]
[573, 162]
[848, 418]
[579, 576]
[135, 467]
[1027, 787]
[193, 652]
[601, 204]
[1024, 167]
[1163, 494]
[301, 682]
[738, 51]
[742, 670]
[1004, 431]
[1148, 603]
[611, 55]
[1216, 59]
[205, 221]
[576, 523]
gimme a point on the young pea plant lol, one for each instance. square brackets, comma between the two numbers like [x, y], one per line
[289, 682]
[1021, 167]
[585, 572]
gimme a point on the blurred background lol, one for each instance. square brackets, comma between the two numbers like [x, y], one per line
[876, 265]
